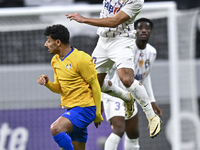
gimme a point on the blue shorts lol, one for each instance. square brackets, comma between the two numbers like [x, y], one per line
[80, 117]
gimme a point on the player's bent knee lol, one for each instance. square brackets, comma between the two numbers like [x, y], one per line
[127, 80]
[55, 129]
[134, 135]
[119, 130]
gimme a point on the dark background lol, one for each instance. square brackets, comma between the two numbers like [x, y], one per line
[181, 5]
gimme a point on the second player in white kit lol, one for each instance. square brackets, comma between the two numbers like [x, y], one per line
[143, 60]
[144, 57]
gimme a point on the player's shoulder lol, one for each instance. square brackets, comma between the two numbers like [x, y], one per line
[138, 1]
[82, 57]
[150, 48]
[54, 58]
[134, 2]
[81, 54]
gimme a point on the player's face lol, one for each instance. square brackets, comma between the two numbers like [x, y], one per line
[51, 45]
[143, 31]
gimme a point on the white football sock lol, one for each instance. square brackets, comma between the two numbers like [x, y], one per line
[112, 142]
[139, 93]
[115, 91]
[131, 144]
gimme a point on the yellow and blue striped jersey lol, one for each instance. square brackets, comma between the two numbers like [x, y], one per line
[72, 73]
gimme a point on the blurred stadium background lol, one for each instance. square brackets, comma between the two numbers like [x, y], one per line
[27, 109]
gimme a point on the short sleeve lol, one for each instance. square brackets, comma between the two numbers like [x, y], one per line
[132, 8]
[87, 68]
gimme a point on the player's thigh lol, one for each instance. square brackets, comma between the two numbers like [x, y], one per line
[112, 107]
[121, 52]
[126, 75]
[132, 130]
[78, 145]
[115, 114]
[62, 124]
[80, 117]
[100, 57]
[118, 125]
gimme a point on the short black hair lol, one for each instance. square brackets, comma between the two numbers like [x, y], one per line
[58, 32]
[143, 20]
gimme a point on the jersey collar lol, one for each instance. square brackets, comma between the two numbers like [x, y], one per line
[67, 54]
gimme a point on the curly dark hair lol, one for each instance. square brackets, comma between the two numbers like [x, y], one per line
[58, 32]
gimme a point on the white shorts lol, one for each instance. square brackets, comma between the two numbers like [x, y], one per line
[110, 50]
[114, 107]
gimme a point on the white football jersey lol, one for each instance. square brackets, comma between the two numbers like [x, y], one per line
[111, 7]
[143, 62]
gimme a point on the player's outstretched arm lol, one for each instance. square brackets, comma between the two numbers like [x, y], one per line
[54, 87]
[148, 86]
[112, 22]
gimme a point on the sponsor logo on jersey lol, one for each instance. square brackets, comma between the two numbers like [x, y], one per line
[111, 8]
[116, 9]
[140, 76]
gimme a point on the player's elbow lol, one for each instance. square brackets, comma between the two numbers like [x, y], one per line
[114, 26]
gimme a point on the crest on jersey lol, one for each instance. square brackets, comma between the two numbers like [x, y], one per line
[68, 66]
[147, 62]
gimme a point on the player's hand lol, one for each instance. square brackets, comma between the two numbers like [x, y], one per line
[102, 109]
[97, 124]
[156, 109]
[43, 79]
[98, 119]
[76, 17]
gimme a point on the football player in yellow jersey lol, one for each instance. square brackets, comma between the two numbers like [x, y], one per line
[75, 79]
